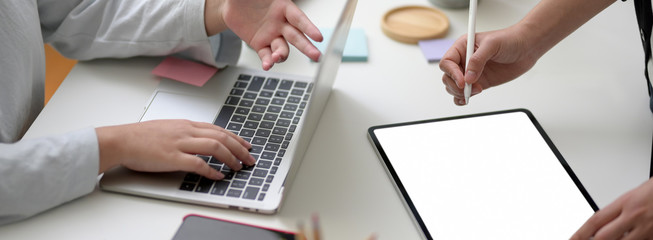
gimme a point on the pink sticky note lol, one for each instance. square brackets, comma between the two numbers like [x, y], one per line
[434, 49]
[185, 71]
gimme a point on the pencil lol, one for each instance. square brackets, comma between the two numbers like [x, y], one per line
[471, 39]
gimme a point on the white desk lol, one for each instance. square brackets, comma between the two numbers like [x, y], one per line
[588, 93]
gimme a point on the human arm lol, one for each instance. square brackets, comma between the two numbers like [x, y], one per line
[84, 29]
[628, 217]
[38, 174]
[503, 55]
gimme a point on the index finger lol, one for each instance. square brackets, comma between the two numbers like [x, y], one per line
[299, 20]
[597, 221]
[231, 134]
[451, 64]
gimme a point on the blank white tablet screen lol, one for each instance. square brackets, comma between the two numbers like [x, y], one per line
[486, 177]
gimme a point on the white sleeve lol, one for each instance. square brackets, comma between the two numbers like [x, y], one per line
[39, 174]
[88, 29]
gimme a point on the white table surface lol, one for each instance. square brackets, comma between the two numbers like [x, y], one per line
[588, 93]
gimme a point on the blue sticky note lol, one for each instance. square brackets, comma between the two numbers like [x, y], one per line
[434, 49]
[355, 49]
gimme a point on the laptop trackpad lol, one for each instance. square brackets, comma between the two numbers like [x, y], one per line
[167, 105]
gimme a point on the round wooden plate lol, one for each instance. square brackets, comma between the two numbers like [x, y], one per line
[410, 24]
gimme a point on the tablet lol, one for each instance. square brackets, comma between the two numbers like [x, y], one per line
[493, 175]
[198, 227]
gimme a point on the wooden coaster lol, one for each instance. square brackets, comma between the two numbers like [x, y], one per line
[410, 24]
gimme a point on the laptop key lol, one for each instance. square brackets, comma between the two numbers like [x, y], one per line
[256, 84]
[297, 92]
[274, 109]
[290, 107]
[227, 175]
[191, 177]
[283, 122]
[244, 77]
[268, 155]
[247, 133]
[263, 101]
[204, 186]
[259, 141]
[286, 114]
[250, 193]
[267, 124]
[256, 181]
[255, 116]
[232, 100]
[258, 109]
[263, 133]
[285, 84]
[260, 173]
[256, 149]
[234, 193]
[275, 139]
[243, 111]
[266, 94]
[279, 131]
[271, 83]
[278, 101]
[250, 95]
[272, 147]
[220, 188]
[238, 184]
[261, 196]
[264, 164]
[246, 103]
[224, 116]
[234, 126]
[270, 117]
[301, 84]
[186, 186]
[269, 179]
[251, 124]
[242, 175]
[238, 118]
[240, 84]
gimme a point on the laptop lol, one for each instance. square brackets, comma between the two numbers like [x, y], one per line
[277, 113]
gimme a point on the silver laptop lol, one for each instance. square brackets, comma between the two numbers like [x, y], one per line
[277, 113]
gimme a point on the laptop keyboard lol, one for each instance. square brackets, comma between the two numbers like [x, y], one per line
[265, 112]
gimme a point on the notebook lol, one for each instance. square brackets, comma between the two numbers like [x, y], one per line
[277, 113]
[493, 175]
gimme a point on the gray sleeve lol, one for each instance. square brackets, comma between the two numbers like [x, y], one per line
[38, 174]
[88, 29]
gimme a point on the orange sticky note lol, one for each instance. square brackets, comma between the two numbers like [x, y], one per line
[193, 73]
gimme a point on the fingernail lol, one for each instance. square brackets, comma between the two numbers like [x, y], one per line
[252, 160]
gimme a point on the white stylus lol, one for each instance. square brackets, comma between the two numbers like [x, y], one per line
[471, 37]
